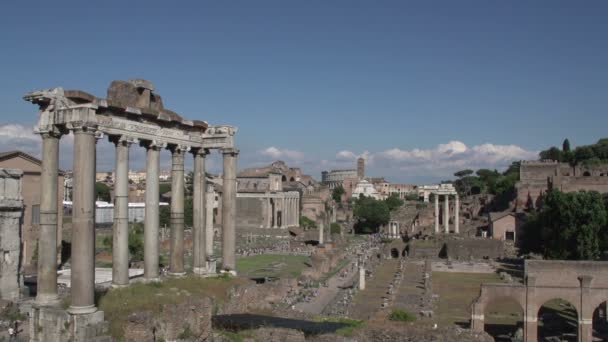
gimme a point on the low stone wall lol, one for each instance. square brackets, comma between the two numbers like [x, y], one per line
[189, 320]
[474, 249]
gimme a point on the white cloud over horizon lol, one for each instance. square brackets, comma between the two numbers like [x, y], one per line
[398, 165]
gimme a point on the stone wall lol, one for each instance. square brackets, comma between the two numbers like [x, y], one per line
[250, 212]
[11, 209]
[472, 248]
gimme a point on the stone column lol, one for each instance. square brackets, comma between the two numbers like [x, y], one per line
[268, 215]
[457, 215]
[176, 267]
[151, 220]
[275, 212]
[321, 235]
[361, 277]
[436, 213]
[47, 243]
[83, 223]
[209, 202]
[229, 210]
[446, 214]
[120, 231]
[199, 255]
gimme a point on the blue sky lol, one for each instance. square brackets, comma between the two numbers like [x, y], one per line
[317, 83]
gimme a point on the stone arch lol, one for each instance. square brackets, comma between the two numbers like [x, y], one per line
[558, 316]
[491, 292]
[395, 253]
[586, 174]
[499, 310]
[599, 323]
[284, 178]
[292, 179]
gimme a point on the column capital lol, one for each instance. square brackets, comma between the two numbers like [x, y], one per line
[122, 139]
[178, 148]
[82, 128]
[51, 132]
[153, 144]
[232, 151]
[203, 152]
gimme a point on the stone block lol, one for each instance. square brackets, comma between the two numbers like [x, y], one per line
[48, 324]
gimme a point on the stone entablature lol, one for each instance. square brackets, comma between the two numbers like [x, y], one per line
[584, 284]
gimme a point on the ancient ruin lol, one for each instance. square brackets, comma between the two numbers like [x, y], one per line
[445, 190]
[11, 207]
[132, 114]
[582, 283]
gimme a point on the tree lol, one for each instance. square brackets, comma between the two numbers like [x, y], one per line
[370, 214]
[569, 226]
[393, 202]
[307, 223]
[102, 192]
[337, 193]
[553, 153]
[463, 173]
[464, 181]
[566, 145]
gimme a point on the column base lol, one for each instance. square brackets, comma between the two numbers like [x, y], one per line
[199, 270]
[230, 272]
[176, 274]
[151, 280]
[47, 300]
[81, 310]
[55, 325]
[119, 286]
[212, 266]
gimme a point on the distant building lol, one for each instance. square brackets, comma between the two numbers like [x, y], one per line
[361, 168]
[504, 225]
[365, 188]
[335, 178]
[32, 169]
[538, 177]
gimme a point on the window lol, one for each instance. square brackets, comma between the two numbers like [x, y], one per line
[36, 214]
[510, 236]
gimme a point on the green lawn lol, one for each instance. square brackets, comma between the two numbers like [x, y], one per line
[271, 265]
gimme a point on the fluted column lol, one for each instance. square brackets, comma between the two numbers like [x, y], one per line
[275, 212]
[446, 213]
[176, 266]
[229, 210]
[199, 254]
[120, 231]
[457, 215]
[47, 243]
[151, 220]
[83, 223]
[436, 196]
[268, 212]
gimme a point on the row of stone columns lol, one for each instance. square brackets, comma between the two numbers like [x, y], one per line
[83, 217]
[446, 213]
[289, 209]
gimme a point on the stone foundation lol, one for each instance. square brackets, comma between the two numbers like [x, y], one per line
[49, 324]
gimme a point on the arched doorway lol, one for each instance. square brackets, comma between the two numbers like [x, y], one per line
[503, 319]
[557, 320]
[394, 253]
[600, 323]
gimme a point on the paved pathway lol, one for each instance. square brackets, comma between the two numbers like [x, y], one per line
[327, 293]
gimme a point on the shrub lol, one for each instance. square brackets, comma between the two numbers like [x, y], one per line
[335, 228]
[401, 315]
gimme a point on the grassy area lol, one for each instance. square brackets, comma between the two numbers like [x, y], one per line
[352, 324]
[117, 304]
[456, 293]
[271, 265]
[401, 316]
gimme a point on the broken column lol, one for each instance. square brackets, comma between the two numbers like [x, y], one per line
[457, 215]
[11, 209]
[229, 210]
[176, 267]
[321, 233]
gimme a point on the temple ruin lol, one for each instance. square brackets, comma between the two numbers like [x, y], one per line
[132, 114]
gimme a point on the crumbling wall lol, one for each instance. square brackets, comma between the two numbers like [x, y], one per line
[11, 210]
[474, 248]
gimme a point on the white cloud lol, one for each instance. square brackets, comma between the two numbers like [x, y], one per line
[278, 153]
[346, 155]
